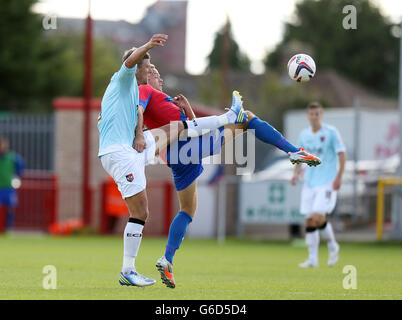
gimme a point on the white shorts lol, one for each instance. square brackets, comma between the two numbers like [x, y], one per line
[321, 200]
[127, 166]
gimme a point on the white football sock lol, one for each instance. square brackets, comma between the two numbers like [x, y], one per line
[132, 241]
[231, 116]
[328, 234]
[312, 242]
[199, 126]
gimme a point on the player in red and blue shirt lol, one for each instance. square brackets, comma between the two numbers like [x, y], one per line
[159, 110]
[185, 156]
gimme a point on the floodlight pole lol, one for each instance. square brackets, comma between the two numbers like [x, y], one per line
[225, 63]
[86, 189]
[397, 199]
[222, 186]
[356, 136]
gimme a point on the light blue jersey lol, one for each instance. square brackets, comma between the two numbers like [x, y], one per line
[325, 144]
[118, 117]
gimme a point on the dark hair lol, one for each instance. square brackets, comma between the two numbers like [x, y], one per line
[128, 53]
[314, 105]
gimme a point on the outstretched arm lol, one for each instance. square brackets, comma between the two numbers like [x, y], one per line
[157, 40]
[338, 180]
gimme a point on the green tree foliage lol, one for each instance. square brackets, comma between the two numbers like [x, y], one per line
[236, 59]
[20, 33]
[368, 54]
[277, 98]
[38, 65]
[67, 62]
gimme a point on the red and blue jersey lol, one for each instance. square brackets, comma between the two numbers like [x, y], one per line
[159, 108]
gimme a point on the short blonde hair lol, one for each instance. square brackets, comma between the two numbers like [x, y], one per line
[314, 105]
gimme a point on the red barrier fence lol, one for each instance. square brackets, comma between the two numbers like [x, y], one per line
[160, 211]
[37, 203]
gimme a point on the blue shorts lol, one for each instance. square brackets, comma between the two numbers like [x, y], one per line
[185, 156]
[8, 198]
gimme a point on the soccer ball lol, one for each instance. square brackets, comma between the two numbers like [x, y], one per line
[301, 67]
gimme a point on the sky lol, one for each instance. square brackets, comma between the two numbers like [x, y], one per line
[257, 25]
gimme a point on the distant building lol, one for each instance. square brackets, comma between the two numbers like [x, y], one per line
[168, 17]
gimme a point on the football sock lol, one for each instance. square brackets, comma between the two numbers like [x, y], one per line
[132, 241]
[10, 220]
[177, 232]
[312, 242]
[268, 134]
[328, 233]
[200, 126]
[231, 116]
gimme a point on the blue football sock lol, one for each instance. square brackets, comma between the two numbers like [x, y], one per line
[177, 231]
[10, 220]
[268, 134]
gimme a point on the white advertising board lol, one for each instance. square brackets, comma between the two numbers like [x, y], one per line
[266, 201]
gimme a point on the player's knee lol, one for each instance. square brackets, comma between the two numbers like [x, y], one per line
[179, 125]
[318, 219]
[141, 214]
[310, 222]
[189, 205]
[168, 129]
[322, 225]
[138, 208]
[190, 209]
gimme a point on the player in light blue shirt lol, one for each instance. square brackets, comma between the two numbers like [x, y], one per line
[124, 156]
[321, 183]
[118, 117]
[118, 124]
[326, 143]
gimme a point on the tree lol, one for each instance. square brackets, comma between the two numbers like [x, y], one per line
[65, 69]
[20, 32]
[236, 59]
[368, 54]
[38, 65]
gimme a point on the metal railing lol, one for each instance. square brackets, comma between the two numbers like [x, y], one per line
[32, 137]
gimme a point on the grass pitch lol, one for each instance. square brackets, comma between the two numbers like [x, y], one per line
[88, 268]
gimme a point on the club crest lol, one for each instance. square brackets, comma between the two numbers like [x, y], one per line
[130, 177]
